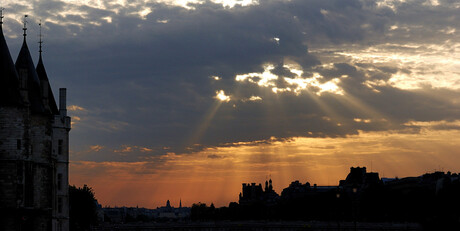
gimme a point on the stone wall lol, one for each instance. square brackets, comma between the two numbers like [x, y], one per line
[12, 151]
[29, 168]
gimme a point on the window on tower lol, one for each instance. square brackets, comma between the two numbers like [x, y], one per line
[59, 205]
[60, 143]
[59, 181]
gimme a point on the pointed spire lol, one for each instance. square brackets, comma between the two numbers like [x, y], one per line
[1, 15]
[9, 80]
[28, 75]
[25, 26]
[41, 41]
[47, 94]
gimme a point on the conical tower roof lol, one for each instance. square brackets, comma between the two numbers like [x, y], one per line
[9, 81]
[26, 68]
[44, 79]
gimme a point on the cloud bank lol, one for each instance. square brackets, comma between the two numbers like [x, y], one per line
[148, 78]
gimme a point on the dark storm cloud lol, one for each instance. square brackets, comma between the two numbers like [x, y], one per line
[147, 82]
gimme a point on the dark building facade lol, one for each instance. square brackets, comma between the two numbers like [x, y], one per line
[34, 144]
[253, 193]
[359, 179]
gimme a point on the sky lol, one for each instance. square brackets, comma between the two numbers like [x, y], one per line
[187, 99]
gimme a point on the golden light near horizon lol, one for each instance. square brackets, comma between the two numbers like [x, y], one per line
[323, 161]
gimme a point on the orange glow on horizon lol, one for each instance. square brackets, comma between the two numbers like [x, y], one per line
[214, 175]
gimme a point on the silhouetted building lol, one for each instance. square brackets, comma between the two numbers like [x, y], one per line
[170, 213]
[166, 211]
[253, 193]
[297, 190]
[136, 214]
[34, 142]
[430, 200]
[433, 182]
[359, 179]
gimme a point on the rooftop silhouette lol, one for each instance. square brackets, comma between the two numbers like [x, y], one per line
[430, 200]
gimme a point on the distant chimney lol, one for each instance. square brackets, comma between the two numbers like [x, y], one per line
[62, 102]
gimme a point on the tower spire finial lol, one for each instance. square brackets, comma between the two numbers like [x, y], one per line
[41, 36]
[1, 15]
[25, 26]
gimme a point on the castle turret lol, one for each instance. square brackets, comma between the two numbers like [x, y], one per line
[34, 145]
[47, 94]
[28, 78]
[9, 80]
[13, 139]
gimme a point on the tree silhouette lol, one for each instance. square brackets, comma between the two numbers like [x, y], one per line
[83, 208]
